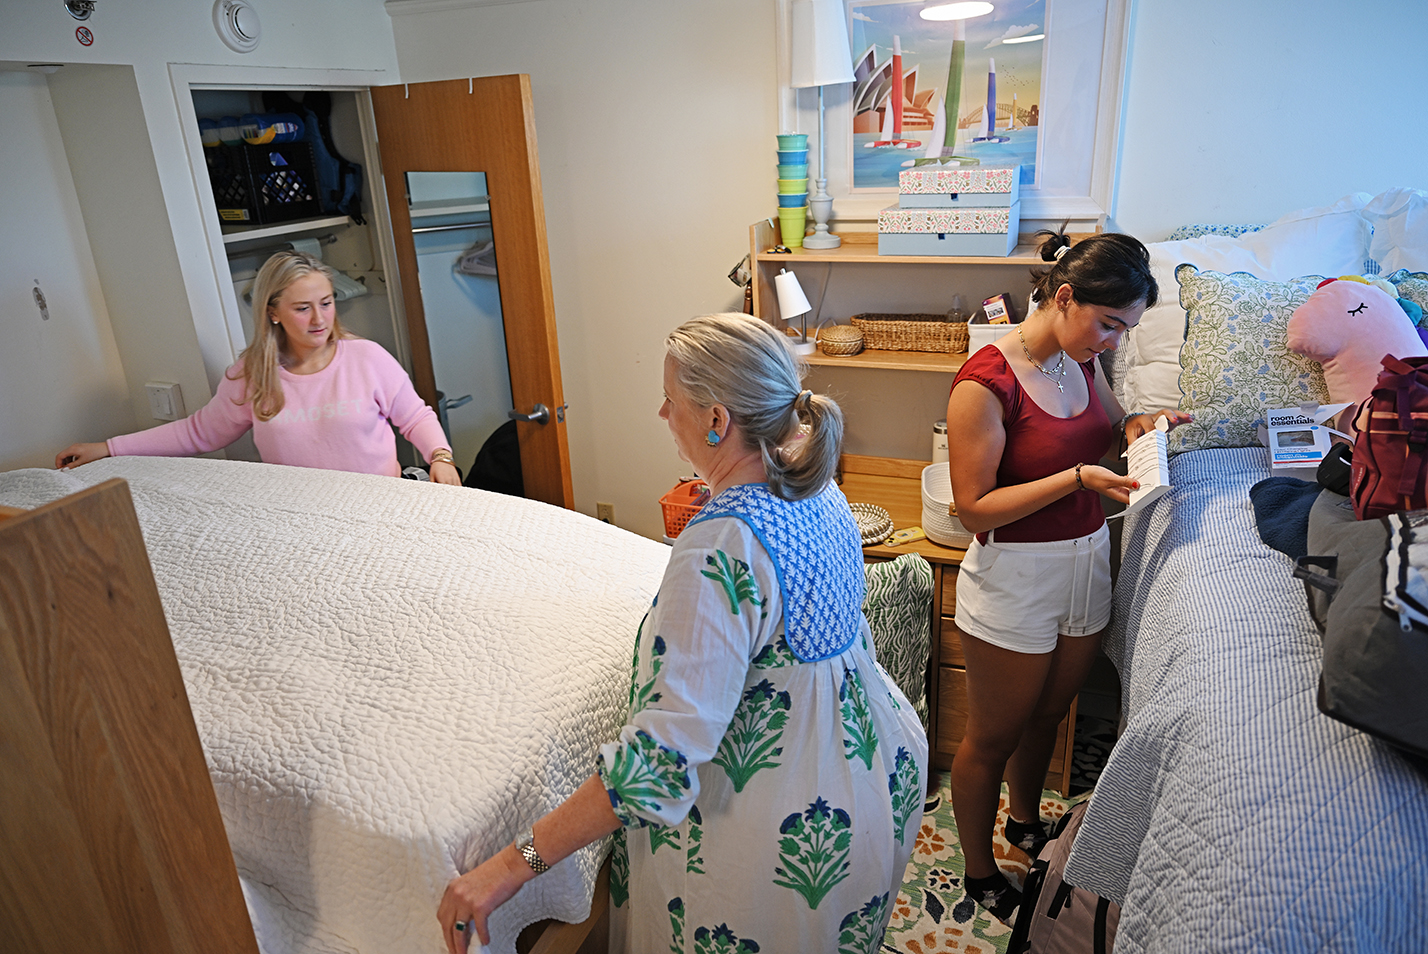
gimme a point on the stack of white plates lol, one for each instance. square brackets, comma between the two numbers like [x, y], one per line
[940, 526]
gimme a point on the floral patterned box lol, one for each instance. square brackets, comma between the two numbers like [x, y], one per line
[938, 187]
[948, 231]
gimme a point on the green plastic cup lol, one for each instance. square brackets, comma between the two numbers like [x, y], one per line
[792, 223]
[792, 186]
[793, 141]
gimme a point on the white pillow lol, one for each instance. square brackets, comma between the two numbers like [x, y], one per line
[1400, 229]
[1329, 240]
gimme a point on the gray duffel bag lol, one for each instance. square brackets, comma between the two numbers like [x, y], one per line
[1361, 577]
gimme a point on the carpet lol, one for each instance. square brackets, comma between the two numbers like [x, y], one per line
[933, 912]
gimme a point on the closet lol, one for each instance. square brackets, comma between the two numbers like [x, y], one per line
[446, 267]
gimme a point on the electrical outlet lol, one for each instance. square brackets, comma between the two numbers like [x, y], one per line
[605, 512]
[165, 400]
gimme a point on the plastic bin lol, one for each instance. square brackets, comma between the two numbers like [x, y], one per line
[680, 507]
[260, 185]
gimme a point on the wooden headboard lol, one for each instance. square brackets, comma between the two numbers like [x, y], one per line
[110, 837]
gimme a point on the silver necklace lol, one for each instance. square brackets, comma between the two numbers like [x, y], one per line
[1055, 374]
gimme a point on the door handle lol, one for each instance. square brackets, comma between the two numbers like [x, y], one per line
[540, 415]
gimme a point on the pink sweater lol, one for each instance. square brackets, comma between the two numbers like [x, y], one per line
[335, 419]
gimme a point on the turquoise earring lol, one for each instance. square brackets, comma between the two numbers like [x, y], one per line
[713, 439]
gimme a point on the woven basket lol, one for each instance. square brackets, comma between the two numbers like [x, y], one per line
[960, 337]
[940, 526]
[840, 340]
[907, 332]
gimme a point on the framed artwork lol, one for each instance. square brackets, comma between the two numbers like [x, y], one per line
[1030, 82]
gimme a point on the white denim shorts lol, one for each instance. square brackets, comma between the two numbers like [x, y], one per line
[1021, 596]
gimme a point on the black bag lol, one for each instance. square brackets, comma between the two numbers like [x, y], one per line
[498, 463]
[1055, 917]
[1375, 667]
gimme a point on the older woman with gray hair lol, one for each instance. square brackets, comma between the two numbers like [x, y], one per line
[766, 791]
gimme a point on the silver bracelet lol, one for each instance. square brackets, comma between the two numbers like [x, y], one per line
[1121, 427]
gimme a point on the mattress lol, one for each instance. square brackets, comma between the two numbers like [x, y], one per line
[390, 679]
[1232, 815]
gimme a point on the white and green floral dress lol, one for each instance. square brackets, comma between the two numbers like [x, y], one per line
[770, 779]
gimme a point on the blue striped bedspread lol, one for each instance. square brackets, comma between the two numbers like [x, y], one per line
[1232, 815]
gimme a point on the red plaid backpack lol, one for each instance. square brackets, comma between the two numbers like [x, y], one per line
[1391, 449]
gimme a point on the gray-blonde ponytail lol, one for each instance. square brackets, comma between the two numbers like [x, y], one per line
[745, 365]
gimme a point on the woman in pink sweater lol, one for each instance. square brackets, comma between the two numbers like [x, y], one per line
[312, 395]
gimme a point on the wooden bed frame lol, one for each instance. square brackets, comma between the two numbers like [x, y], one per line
[110, 833]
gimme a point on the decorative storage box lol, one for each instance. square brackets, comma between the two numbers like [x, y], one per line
[948, 231]
[975, 187]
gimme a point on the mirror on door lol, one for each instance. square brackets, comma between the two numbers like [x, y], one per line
[456, 271]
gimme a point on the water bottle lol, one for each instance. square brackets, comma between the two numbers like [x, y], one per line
[939, 442]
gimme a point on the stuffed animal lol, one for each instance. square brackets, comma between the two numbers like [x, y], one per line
[1348, 325]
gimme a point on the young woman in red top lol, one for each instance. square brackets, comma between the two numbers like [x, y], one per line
[1029, 418]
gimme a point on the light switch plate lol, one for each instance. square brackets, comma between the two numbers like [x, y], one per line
[165, 400]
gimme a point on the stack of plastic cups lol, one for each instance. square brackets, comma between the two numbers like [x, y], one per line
[792, 187]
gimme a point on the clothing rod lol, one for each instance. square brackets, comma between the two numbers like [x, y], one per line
[417, 230]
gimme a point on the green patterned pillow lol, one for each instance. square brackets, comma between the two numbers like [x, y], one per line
[898, 606]
[1235, 364]
[1414, 287]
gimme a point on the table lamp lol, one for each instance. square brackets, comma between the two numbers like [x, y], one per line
[791, 303]
[820, 58]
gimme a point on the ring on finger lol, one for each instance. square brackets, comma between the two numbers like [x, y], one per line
[461, 926]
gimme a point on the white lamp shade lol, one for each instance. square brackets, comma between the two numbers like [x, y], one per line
[791, 300]
[820, 44]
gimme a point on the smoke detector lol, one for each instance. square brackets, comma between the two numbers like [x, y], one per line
[237, 24]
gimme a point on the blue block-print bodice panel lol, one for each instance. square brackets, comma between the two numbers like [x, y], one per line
[817, 554]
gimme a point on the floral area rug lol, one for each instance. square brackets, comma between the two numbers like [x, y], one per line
[933, 912]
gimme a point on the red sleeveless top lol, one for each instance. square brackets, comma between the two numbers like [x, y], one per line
[1039, 445]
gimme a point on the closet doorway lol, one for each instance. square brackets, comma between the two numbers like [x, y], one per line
[482, 130]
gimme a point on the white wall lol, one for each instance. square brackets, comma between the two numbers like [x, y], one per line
[61, 379]
[1241, 111]
[655, 123]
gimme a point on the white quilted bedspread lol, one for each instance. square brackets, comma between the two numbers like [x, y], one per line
[390, 679]
[1232, 815]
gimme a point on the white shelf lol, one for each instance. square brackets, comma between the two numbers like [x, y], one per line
[431, 207]
[244, 234]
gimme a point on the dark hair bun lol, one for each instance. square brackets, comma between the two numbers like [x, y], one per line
[1055, 241]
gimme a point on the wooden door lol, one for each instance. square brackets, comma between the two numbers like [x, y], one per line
[110, 836]
[486, 125]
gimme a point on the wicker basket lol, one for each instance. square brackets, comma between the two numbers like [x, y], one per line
[907, 332]
[840, 340]
[940, 526]
[960, 337]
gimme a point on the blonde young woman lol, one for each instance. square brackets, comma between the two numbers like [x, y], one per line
[312, 395]
[767, 789]
[1030, 418]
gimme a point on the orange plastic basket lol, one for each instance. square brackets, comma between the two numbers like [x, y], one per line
[679, 506]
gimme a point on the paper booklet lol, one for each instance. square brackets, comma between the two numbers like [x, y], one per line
[1148, 461]
[1299, 436]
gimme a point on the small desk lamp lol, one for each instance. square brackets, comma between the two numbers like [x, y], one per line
[820, 58]
[791, 303]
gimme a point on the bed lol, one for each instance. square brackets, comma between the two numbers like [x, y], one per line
[390, 679]
[1232, 815]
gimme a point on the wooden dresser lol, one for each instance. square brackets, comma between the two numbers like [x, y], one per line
[895, 485]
